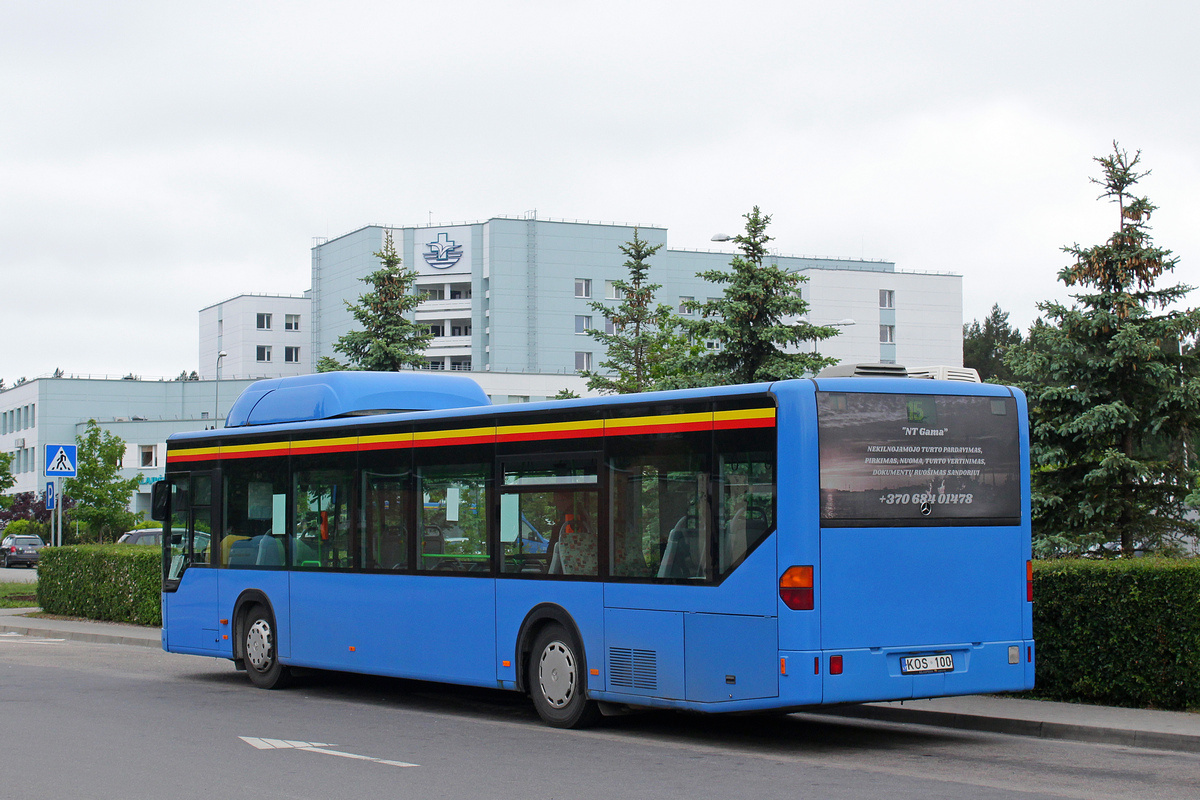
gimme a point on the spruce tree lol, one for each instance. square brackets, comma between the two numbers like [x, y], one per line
[756, 328]
[984, 346]
[388, 341]
[645, 338]
[1114, 388]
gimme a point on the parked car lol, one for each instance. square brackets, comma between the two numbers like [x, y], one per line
[17, 549]
[145, 536]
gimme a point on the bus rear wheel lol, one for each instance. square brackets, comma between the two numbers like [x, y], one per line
[259, 649]
[558, 680]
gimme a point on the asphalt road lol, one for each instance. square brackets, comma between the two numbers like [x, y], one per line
[21, 574]
[92, 720]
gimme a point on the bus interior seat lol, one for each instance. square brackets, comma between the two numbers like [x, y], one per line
[573, 549]
[681, 555]
[268, 552]
[432, 541]
[242, 552]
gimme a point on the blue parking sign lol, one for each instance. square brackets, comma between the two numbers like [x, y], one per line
[49, 495]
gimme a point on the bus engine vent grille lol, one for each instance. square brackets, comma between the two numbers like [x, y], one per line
[633, 669]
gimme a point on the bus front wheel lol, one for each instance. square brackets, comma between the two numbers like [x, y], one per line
[557, 680]
[260, 650]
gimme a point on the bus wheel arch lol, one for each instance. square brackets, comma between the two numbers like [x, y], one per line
[256, 641]
[549, 642]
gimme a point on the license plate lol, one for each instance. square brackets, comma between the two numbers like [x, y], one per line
[942, 662]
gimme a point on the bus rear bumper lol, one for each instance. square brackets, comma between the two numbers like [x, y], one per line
[876, 674]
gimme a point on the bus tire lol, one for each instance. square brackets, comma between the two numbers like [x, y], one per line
[260, 649]
[558, 680]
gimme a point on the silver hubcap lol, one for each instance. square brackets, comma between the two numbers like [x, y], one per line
[258, 645]
[556, 674]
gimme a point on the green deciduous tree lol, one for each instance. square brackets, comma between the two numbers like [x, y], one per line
[100, 495]
[1114, 388]
[984, 346]
[757, 327]
[7, 479]
[646, 341]
[388, 340]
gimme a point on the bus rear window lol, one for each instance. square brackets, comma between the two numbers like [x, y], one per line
[907, 460]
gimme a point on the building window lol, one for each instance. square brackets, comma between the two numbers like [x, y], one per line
[887, 298]
[291, 355]
[610, 327]
[263, 352]
[683, 301]
[437, 365]
[460, 364]
[437, 330]
[291, 322]
[612, 291]
[460, 330]
[887, 334]
[583, 287]
[149, 455]
[264, 322]
[583, 361]
[432, 293]
[582, 323]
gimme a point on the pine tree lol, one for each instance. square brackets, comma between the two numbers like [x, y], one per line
[646, 336]
[1114, 388]
[984, 346]
[388, 340]
[749, 326]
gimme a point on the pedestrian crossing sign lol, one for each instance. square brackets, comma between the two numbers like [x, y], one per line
[60, 460]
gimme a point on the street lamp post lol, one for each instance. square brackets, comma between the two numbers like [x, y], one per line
[217, 390]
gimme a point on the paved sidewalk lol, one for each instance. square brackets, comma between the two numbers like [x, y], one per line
[1132, 727]
[12, 620]
[1160, 730]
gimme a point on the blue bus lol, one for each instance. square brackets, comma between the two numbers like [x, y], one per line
[739, 548]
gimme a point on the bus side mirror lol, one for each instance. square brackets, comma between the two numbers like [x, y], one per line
[160, 501]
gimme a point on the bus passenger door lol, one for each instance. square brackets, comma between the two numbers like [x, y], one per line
[190, 582]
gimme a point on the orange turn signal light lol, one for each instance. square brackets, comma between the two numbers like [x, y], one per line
[796, 588]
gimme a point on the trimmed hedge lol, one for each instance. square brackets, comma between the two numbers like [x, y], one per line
[115, 582]
[1124, 632]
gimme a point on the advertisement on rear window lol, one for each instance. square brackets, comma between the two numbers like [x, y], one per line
[918, 460]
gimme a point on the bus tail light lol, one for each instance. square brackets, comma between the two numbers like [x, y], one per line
[796, 588]
[1028, 581]
[835, 665]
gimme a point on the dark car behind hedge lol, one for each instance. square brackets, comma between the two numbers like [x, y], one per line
[17, 549]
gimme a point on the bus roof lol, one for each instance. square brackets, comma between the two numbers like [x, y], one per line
[327, 395]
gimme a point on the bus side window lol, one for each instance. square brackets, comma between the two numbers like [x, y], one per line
[452, 517]
[326, 519]
[255, 514]
[386, 500]
[659, 522]
[746, 495]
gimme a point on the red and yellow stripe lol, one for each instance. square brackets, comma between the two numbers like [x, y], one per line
[578, 429]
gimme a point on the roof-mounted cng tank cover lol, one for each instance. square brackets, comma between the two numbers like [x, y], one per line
[864, 371]
[327, 395]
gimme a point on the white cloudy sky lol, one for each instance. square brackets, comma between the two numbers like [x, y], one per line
[158, 157]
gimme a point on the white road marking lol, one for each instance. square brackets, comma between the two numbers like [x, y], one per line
[315, 747]
[20, 638]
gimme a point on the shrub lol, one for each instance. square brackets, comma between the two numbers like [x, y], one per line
[1124, 632]
[120, 583]
[26, 527]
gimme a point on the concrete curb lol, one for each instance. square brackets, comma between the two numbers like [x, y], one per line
[1042, 729]
[12, 620]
